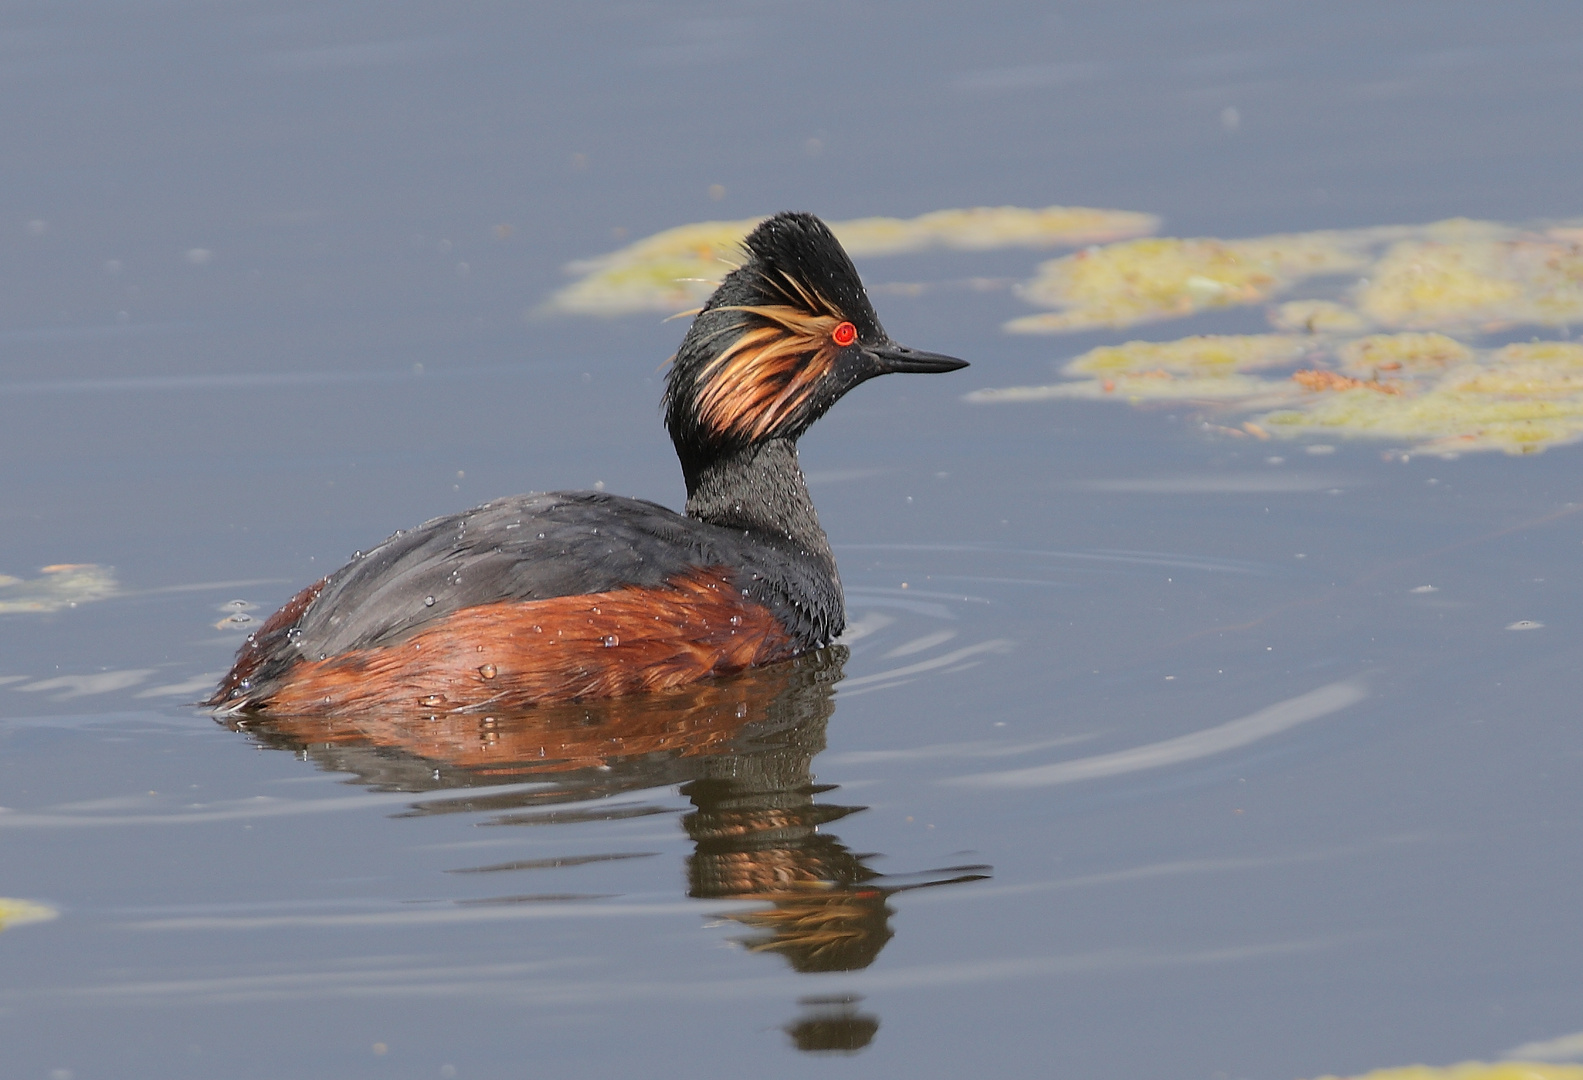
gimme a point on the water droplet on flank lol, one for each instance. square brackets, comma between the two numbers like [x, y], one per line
[487, 671]
[428, 601]
[431, 700]
[541, 536]
[610, 641]
[736, 620]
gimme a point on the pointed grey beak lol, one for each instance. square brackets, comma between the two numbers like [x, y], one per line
[893, 357]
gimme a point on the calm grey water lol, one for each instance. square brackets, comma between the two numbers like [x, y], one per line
[1147, 757]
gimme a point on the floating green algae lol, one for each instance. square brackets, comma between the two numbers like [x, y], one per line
[1476, 275]
[1518, 399]
[1480, 281]
[1316, 317]
[1392, 352]
[15, 912]
[1426, 391]
[1476, 1070]
[1195, 368]
[680, 267]
[1401, 355]
[1146, 280]
[61, 586]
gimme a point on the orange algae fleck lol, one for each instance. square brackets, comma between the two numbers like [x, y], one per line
[1318, 380]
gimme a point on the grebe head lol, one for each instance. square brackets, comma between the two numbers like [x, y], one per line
[782, 338]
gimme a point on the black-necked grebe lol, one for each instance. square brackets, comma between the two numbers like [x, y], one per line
[567, 595]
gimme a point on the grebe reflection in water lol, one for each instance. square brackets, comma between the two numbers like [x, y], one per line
[741, 750]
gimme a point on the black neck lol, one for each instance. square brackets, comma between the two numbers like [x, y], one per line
[760, 488]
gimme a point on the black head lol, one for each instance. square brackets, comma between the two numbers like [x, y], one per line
[778, 343]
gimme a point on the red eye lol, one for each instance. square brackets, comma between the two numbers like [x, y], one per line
[844, 334]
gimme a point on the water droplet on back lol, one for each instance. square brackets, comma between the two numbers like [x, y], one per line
[428, 601]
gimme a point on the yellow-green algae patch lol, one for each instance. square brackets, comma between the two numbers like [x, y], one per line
[16, 912]
[1479, 281]
[1391, 352]
[1425, 391]
[1204, 355]
[681, 267]
[1136, 281]
[63, 585]
[1317, 317]
[1518, 399]
[1472, 275]
[1202, 368]
[1476, 1070]
[1401, 355]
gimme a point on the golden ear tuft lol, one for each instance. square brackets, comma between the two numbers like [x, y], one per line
[770, 371]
